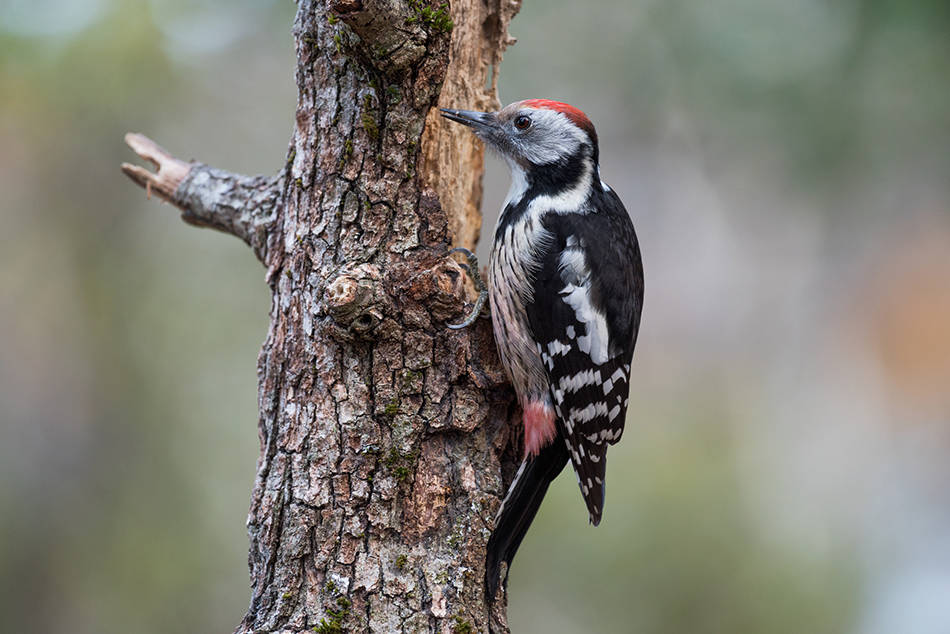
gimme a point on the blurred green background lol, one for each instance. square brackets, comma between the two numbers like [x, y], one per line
[784, 468]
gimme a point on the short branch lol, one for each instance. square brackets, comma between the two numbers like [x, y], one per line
[244, 206]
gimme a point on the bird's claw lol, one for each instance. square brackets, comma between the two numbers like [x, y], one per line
[472, 269]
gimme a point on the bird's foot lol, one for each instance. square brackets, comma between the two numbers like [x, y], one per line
[472, 269]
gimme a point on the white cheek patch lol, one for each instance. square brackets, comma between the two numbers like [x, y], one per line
[519, 184]
[560, 136]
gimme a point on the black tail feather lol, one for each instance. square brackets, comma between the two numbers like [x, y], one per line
[519, 508]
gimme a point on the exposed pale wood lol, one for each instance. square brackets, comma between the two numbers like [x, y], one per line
[169, 174]
[452, 158]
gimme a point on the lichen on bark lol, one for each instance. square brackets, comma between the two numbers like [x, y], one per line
[386, 438]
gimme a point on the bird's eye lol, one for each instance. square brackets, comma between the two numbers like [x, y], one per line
[523, 122]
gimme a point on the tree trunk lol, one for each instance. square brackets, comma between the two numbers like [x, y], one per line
[386, 439]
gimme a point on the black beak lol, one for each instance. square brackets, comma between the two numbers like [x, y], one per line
[477, 120]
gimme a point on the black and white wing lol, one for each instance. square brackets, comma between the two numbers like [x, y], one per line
[585, 315]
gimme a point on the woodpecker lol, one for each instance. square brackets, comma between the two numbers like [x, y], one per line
[565, 281]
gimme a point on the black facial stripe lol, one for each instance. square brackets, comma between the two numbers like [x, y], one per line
[547, 180]
[544, 180]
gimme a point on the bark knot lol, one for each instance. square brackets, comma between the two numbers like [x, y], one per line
[441, 288]
[354, 299]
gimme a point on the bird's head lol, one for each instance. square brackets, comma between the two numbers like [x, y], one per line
[534, 133]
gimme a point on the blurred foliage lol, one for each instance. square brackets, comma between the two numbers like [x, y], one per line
[775, 476]
[129, 340]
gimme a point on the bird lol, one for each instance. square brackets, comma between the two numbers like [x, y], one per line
[565, 287]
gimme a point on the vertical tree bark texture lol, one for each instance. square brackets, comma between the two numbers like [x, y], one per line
[384, 435]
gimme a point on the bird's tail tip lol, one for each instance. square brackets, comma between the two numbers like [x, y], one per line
[517, 511]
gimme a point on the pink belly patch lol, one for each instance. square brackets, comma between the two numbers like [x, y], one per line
[539, 428]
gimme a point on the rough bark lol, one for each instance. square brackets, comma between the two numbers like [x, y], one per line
[386, 438]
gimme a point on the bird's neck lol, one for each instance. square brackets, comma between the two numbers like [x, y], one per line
[561, 187]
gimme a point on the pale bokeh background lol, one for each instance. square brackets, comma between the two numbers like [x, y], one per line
[784, 469]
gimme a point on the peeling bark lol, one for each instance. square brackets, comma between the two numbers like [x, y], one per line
[386, 438]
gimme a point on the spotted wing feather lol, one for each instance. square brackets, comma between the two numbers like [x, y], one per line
[585, 316]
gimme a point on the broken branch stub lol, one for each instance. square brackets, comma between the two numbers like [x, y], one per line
[244, 206]
[170, 171]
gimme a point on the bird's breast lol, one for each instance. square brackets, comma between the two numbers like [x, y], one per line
[514, 263]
